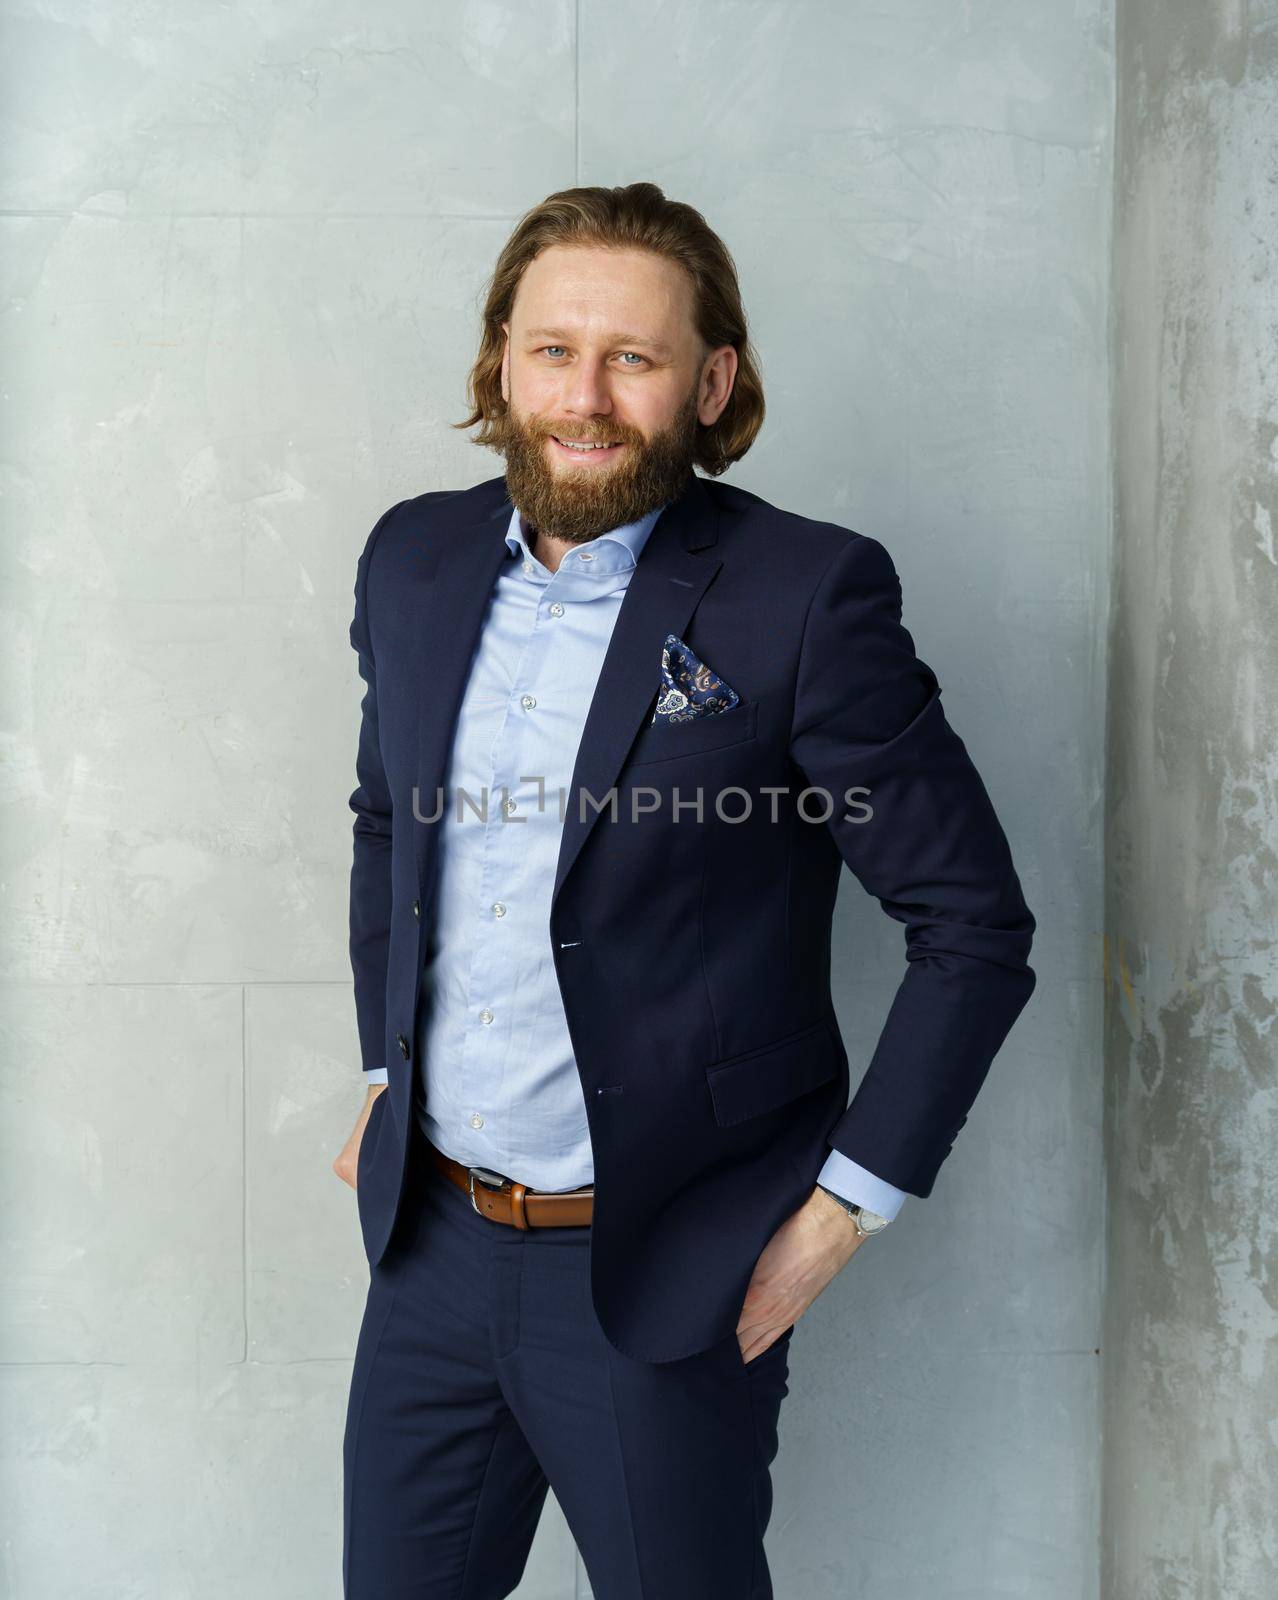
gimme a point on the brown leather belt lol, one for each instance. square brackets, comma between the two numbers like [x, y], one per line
[503, 1200]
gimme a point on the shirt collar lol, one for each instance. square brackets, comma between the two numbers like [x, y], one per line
[627, 541]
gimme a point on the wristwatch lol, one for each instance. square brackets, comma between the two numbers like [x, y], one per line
[865, 1222]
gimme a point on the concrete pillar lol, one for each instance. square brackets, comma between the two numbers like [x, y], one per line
[1190, 1351]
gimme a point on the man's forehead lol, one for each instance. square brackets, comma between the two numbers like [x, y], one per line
[553, 302]
[645, 341]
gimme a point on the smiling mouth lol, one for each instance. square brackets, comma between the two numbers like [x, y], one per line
[586, 447]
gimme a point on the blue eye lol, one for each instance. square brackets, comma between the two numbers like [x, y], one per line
[547, 349]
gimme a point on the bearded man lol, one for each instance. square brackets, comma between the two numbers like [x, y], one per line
[623, 727]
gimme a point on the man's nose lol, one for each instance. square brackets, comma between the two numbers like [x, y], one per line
[588, 396]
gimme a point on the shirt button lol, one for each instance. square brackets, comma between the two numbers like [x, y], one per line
[528, 701]
[528, 566]
[477, 1121]
[586, 555]
[499, 910]
[485, 1015]
[508, 806]
[556, 610]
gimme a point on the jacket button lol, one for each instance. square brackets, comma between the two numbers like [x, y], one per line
[403, 1045]
[417, 909]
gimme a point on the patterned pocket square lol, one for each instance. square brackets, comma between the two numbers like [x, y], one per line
[689, 688]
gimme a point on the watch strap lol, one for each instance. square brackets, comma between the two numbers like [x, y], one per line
[851, 1207]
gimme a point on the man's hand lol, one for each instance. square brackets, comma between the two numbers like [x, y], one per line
[347, 1164]
[802, 1256]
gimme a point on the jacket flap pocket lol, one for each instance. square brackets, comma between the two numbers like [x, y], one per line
[662, 739]
[760, 1080]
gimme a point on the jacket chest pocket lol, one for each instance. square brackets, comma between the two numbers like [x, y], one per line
[665, 740]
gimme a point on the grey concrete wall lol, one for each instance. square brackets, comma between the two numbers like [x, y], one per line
[1191, 1324]
[243, 248]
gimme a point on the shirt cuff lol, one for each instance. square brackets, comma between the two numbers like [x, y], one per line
[378, 1075]
[862, 1188]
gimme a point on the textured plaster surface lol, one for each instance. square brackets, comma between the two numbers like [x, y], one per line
[1191, 1326]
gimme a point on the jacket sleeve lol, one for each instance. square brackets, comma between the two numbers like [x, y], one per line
[868, 713]
[370, 902]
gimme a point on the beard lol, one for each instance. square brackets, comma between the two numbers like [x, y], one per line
[579, 503]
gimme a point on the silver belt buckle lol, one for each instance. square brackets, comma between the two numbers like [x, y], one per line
[490, 1180]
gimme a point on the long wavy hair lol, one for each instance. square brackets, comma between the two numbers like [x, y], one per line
[636, 217]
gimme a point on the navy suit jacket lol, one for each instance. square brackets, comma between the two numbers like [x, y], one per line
[694, 958]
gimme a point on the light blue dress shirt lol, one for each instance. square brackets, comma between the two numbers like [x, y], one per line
[501, 1084]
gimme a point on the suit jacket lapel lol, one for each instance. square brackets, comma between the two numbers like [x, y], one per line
[674, 570]
[457, 572]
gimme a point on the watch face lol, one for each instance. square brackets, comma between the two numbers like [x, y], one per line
[871, 1221]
